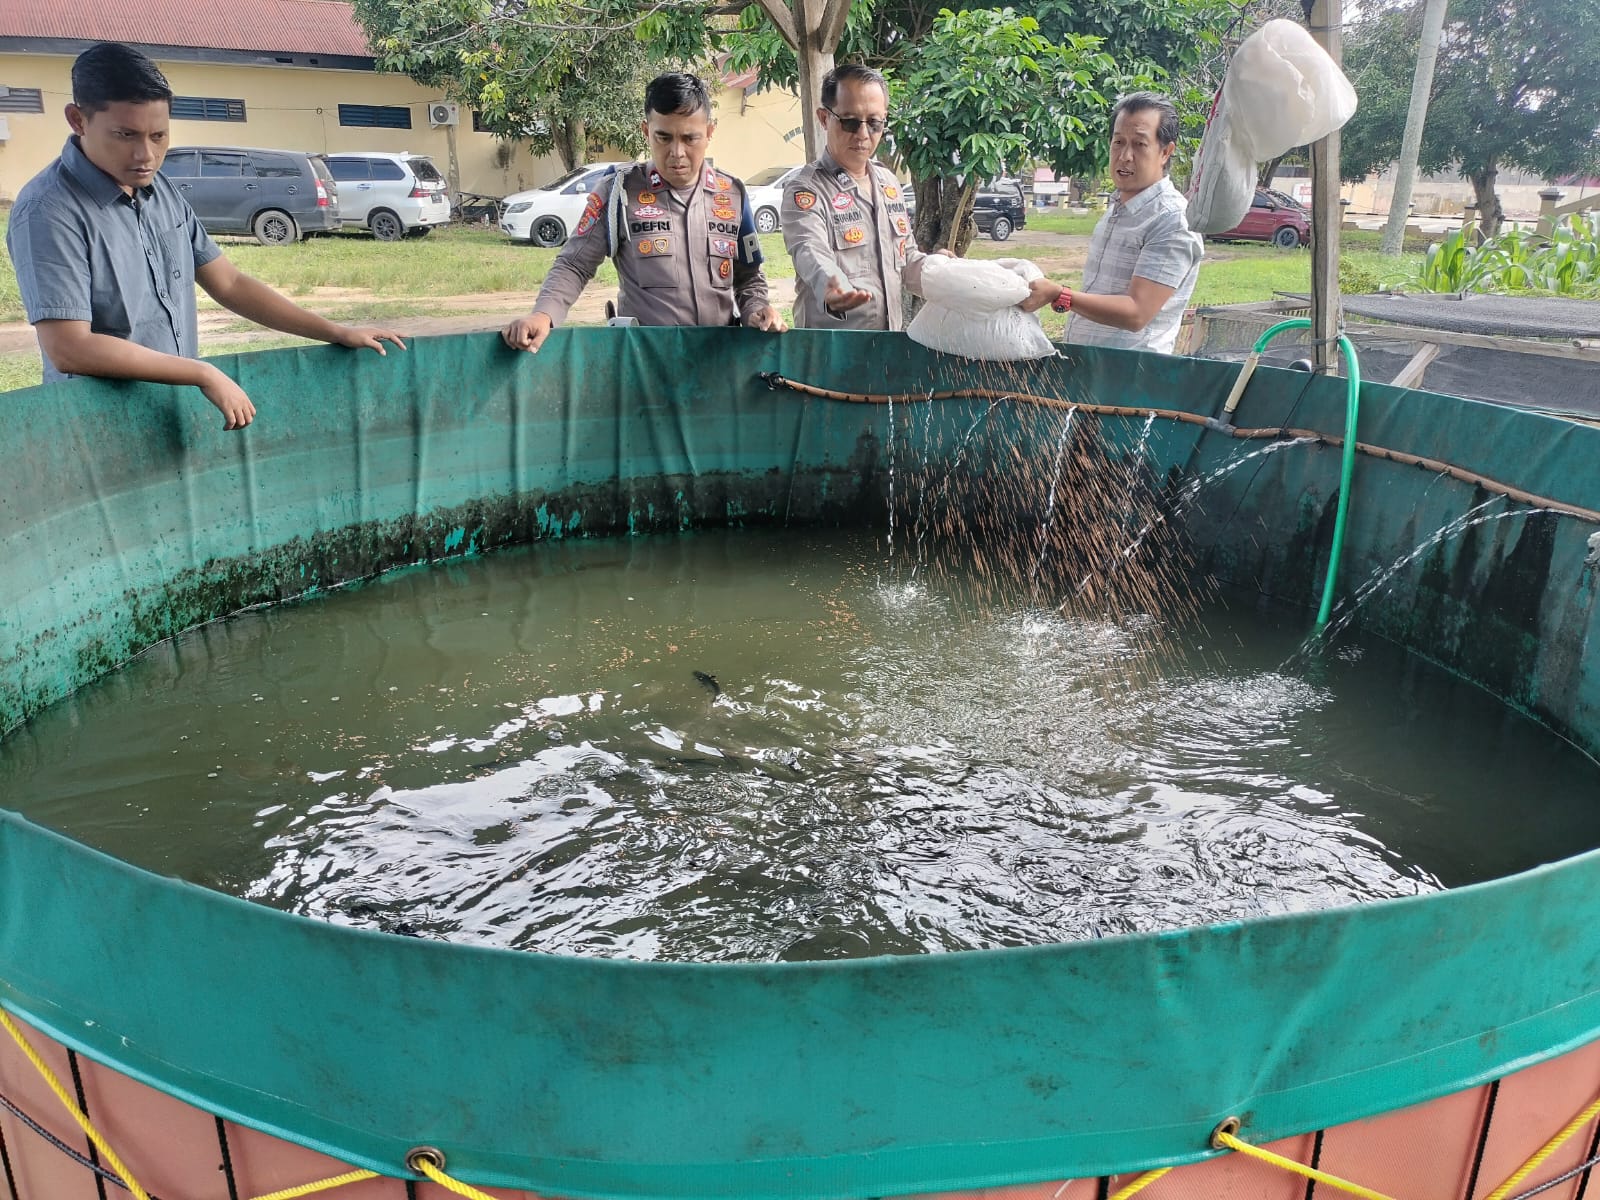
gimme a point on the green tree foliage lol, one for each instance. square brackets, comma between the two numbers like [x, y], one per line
[986, 94]
[998, 73]
[561, 77]
[1515, 86]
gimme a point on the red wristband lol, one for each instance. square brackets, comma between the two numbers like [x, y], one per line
[1063, 302]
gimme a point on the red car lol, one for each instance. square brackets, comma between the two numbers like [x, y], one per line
[1275, 218]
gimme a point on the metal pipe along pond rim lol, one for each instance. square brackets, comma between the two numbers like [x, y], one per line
[776, 381]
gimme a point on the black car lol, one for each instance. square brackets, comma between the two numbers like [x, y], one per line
[999, 208]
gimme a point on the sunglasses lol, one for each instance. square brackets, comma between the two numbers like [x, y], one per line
[875, 125]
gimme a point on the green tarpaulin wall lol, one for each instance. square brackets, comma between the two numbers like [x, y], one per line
[126, 515]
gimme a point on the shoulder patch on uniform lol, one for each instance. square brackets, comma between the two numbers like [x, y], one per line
[805, 200]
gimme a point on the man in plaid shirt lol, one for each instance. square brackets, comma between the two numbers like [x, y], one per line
[1143, 258]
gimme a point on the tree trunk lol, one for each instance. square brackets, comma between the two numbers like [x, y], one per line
[814, 64]
[1267, 170]
[812, 29]
[454, 163]
[1394, 231]
[571, 142]
[1490, 214]
[944, 213]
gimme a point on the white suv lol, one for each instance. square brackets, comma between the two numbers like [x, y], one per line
[394, 195]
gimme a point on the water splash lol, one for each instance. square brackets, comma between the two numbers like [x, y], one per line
[1379, 580]
[1191, 491]
[1050, 503]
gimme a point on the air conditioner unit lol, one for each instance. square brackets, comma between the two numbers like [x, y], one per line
[442, 112]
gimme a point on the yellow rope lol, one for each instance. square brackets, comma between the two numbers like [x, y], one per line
[322, 1185]
[1288, 1164]
[71, 1106]
[1545, 1151]
[1139, 1184]
[424, 1165]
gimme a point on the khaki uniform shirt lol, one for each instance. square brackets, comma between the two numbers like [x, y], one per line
[859, 235]
[679, 263]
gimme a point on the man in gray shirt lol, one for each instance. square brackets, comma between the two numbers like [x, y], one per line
[1143, 258]
[680, 231]
[107, 252]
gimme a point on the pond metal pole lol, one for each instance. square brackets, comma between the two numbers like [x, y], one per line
[1325, 19]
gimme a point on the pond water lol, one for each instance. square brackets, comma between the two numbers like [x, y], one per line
[760, 746]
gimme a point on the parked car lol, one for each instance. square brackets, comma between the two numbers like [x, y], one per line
[999, 208]
[765, 188]
[394, 195]
[1273, 217]
[277, 195]
[545, 216]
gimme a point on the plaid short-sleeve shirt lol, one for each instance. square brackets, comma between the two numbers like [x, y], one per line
[1148, 236]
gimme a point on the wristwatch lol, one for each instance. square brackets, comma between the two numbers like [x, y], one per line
[1063, 302]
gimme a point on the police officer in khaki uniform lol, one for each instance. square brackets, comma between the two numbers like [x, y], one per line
[844, 217]
[681, 232]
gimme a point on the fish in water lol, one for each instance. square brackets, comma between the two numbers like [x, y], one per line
[709, 682]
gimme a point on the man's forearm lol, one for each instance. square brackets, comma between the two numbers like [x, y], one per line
[1119, 312]
[108, 357]
[254, 300]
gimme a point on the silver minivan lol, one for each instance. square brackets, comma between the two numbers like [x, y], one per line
[394, 195]
[277, 195]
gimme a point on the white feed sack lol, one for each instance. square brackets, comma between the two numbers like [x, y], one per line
[1281, 91]
[971, 309]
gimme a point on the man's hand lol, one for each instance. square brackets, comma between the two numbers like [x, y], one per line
[527, 333]
[229, 398]
[367, 338]
[1040, 293]
[767, 318]
[837, 300]
[944, 252]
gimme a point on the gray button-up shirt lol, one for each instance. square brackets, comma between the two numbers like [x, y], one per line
[858, 234]
[693, 260]
[84, 250]
[1148, 236]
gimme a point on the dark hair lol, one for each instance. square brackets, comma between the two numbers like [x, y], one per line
[111, 72]
[849, 73]
[1138, 102]
[676, 92]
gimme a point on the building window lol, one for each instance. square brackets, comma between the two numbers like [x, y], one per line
[21, 100]
[206, 108]
[477, 123]
[375, 116]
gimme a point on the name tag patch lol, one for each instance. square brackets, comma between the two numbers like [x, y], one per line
[649, 226]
